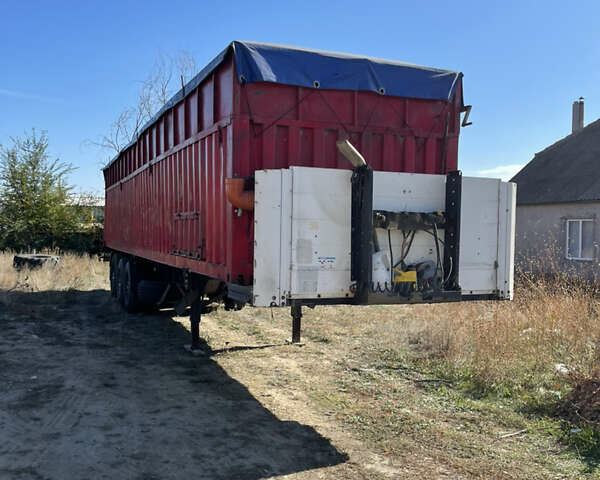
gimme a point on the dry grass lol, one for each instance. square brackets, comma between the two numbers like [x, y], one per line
[75, 272]
[529, 344]
[516, 343]
[498, 345]
[401, 379]
[385, 375]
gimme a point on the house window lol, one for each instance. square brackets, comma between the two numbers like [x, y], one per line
[580, 239]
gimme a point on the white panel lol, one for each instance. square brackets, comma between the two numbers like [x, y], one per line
[285, 253]
[272, 232]
[267, 241]
[506, 239]
[321, 232]
[303, 231]
[478, 235]
[408, 192]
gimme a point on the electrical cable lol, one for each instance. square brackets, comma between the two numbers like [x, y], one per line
[437, 250]
[410, 242]
[449, 271]
[433, 235]
[391, 257]
[411, 233]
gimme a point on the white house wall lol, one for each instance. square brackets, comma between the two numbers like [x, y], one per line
[541, 237]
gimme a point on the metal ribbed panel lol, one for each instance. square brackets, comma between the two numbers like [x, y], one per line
[165, 197]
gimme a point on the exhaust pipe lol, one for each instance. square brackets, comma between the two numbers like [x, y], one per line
[351, 153]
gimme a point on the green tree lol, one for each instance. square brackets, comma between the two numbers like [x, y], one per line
[35, 210]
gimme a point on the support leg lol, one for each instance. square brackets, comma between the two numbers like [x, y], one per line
[195, 317]
[296, 322]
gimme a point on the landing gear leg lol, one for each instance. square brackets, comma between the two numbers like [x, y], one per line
[197, 308]
[296, 322]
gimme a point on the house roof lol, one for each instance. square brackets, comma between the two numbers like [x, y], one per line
[566, 171]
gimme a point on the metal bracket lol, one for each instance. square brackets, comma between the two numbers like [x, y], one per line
[296, 311]
[467, 110]
[362, 231]
[452, 229]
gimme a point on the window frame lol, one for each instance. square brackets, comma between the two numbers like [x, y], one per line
[579, 221]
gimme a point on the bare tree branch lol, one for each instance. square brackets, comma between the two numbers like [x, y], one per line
[155, 90]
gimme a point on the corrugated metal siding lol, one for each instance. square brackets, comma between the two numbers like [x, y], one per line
[300, 126]
[175, 211]
[165, 197]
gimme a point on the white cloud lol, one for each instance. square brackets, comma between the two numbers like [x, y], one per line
[27, 96]
[505, 172]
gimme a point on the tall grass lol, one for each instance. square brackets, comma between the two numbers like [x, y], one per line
[542, 349]
[74, 272]
[547, 339]
[550, 322]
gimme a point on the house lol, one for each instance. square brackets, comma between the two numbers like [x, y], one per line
[89, 209]
[558, 204]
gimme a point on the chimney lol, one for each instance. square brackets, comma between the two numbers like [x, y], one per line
[577, 115]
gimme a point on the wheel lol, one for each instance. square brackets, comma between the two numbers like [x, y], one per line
[129, 299]
[114, 274]
[119, 278]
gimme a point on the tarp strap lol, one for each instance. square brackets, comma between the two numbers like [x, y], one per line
[334, 114]
[370, 115]
[245, 93]
[444, 113]
[269, 125]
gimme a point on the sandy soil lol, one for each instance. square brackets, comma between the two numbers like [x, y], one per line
[89, 392]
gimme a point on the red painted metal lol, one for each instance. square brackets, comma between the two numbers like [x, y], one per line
[165, 194]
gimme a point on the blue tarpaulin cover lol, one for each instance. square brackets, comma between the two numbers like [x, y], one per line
[264, 62]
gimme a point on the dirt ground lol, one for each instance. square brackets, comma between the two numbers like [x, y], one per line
[89, 392]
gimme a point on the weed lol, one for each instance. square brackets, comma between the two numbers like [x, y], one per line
[74, 272]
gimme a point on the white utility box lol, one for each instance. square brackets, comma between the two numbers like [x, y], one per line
[304, 226]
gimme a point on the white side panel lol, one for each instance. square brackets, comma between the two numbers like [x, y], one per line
[267, 241]
[272, 230]
[506, 239]
[303, 231]
[479, 235]
[321, 233]
[285, 253]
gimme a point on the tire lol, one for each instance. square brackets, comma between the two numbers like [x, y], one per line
[129, 299]
[114, 275]
[119, 277]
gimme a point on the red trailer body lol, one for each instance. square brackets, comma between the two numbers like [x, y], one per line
[165, 192]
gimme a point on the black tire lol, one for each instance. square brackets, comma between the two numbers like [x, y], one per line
[119, 275]
[114, 274]
[129, 299]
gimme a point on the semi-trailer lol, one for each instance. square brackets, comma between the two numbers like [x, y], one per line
[287, 177]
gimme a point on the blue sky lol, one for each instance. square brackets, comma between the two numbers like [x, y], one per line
[70, 67]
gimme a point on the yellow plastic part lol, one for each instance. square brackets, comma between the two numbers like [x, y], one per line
[404, 277]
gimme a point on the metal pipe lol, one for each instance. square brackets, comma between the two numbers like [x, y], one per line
[237, 196]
